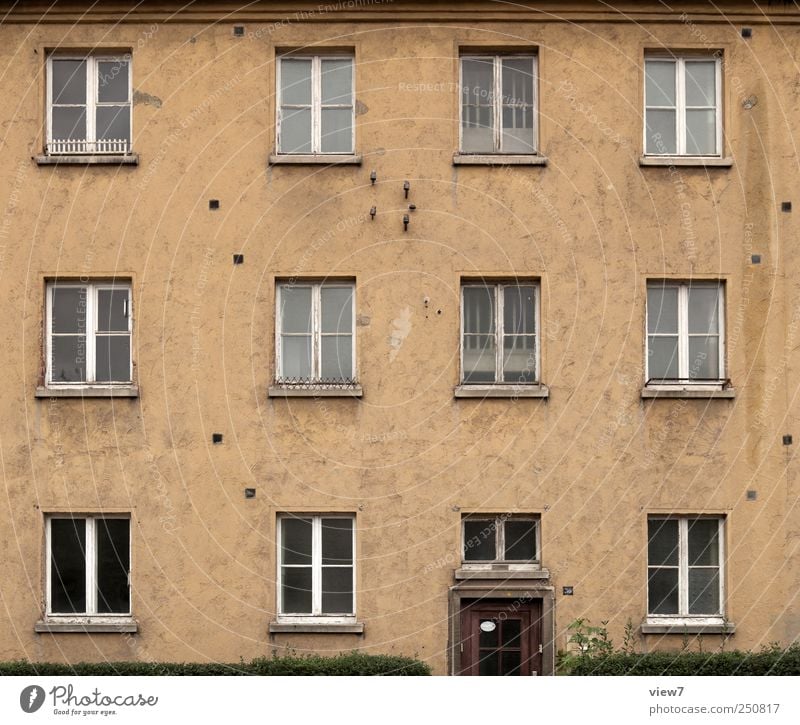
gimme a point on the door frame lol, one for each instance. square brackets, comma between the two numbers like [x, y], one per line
[502, 590]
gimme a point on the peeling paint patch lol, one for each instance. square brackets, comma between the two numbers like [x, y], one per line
[139, 97]
[361, 108]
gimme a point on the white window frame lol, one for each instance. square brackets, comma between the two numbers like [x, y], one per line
[498, 523]
[316, 614]
[683, 381]
[499, 332]
[680, 101]
[683, 616]
[316, 105]
[90, 145]
[93, 287]
[316, 330]
[497, 102]
[90, 555]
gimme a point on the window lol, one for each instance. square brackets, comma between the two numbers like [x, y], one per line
[500, 539]
[88, 105]
[684, 562]
[499, 341]
[316, 566]
[315, 105]
[498, 104]
[88, 565]
[88, 333]
[685, 332]
[315, 339]
[683, 106]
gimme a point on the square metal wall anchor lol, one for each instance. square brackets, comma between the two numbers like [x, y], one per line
[249, 493]
[216, 437]
[752, 495]
[787, 440]
[567, 591]
[238, 258]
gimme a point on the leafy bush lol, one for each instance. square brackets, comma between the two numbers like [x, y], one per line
[345, 664]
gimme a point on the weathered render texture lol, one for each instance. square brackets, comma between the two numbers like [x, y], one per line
[408, 458]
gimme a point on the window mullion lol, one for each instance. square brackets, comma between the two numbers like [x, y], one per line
[316, 104]
[497, 103]
[500, 540]
[683, 566]
[91, 327]
[316, 331]
[91, 566]
[683, 332]
[680, 100]
[499, 297]
[91, 99]
[316, 565]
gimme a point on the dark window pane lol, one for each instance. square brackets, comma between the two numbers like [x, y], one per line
[337, 81]
[518, 310]
[662, 310]
[337, 130]
[703, 542]
[520, 540]
[511, 662]
[512, 628]
[113, 122]
[519, 359]
[295, 136]
[477, 81]
[296, 356]
[479, 309]
[337, 357]
[661, 133]
[480, 536]
[113, 565]
[68, 566]
[111, 310]
[295, 81]
[69, 81]
[295, 309]
[662, 360]
[479, 358]
[662, 547]
[112, 81]
[660, 82]
[337, 309]
[69, 359]
[488, 664]
[662, 591]
[296, 541]
[337, 590]
[69, 123]
[113, 359]
[337, 541]
[296, 591]
[704, 591]
[488, 633]
[69, 309]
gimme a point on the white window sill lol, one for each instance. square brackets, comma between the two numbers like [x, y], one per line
[316, 627]
[86, 625]
[501, 571]
[687, 625]
[534, 390]
[701, 161]
[315, 391]
[499, 160]
[88, 160]
[89, 391]
[315, 159]
[687, 391]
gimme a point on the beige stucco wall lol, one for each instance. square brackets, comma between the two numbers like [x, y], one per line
[408, 458]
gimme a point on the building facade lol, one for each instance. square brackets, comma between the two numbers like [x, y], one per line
[412, 328]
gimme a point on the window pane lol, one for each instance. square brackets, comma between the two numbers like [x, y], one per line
[488, 639]
[337, 357]
[517, 99]
[337, 309]
[519, 363]
[517, 82]
[337, 81]
[704, 357]
[661, 134]
[113, 565]
[69, 359]
[295, 309]
[512, 661]
[476, 134]
[518, 139]
[476, 104]
[703, 542]
[659, 83]
[662, 542]
[69, 81]
[337, 130]
[479, 309]
[112, 81]
[296, 541]
[337, 590]
[520, 540]
[662, 361]
[69, 309]
[68, 566]
[662, 309]
[479, 359]
[701, 83]
[111, 310]
[512, 629]
[337, 541]
[488, 665]
[662, 591]
[480, 537]
[113, 358]
[518, 310]
[69, 123]
[703, 591]
[295, 82]
[296, 590]
[701, 132]
[295, 131]
[113, 122]
[296, 356]
[703, 309]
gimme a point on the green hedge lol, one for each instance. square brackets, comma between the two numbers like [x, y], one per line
[767, 662]
[346, 664]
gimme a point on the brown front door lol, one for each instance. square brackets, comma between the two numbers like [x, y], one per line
[501, 638]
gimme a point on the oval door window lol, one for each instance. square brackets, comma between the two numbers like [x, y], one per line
[488, 626]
